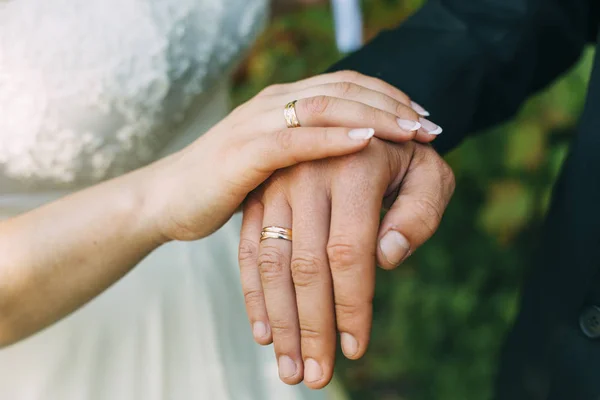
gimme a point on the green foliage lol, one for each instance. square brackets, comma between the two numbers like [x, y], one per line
[439, 320]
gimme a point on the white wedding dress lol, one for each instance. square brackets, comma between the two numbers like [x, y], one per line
[90, 89]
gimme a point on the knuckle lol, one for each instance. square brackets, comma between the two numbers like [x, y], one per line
[442, 168]
[284, 139]
[406, 112]
[271, 90]
[281, 328]
[400, 95]
[305, 171]
[271, 262]
[341, 253]
[346, 89]
[348, 75]
[307, 332]
[429, 213]
[306, 269]
[346, 311]
[318, 105]
[448, 177]
[391, 90]
[254, 298]
[248, 251]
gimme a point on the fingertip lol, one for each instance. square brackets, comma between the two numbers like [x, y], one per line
[394, 247]
[351, 347]
[384, 264]
[316, 374]
[290, 371]
[362, 134]
[420, 109]
[424, 137]
[262, 333]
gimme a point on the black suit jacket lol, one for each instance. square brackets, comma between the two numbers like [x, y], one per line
[472, 63]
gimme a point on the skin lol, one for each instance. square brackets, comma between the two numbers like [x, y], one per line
[300, 294]
[60, 256]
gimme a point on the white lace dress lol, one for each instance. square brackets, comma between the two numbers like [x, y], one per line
[90, 89]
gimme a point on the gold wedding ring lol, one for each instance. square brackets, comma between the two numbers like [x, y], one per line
[276, 232]
[289, 112]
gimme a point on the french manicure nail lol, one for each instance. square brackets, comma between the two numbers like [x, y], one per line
[259, 330]
[394, 247]
[287, 367]
[361, 134]
[349, 344]
[312, 371]
[430, 127]
[408, 125]
[419, 109]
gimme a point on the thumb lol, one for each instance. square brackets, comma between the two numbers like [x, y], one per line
[288, 147]
[417, 211]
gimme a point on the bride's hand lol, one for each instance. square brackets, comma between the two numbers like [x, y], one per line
[192, 193]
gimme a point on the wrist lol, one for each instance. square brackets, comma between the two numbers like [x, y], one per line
[146, 203]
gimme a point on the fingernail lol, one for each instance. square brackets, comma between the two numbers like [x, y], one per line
[259, 330]
[394, 247]
[419, 109]
[287, 367]
[361, 134]
[408, 125]
[312, 371]
[349, 344]
[430, 127]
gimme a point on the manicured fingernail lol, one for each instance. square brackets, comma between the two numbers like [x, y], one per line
[419, 109]
[408, 125]
[312, 371]
[287, 367]
[430, 127]
[361, 134]
[349, 344]
[394, 247]
[259, 330]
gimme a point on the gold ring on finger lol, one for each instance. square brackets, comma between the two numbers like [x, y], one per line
[291, 118]
[276, 232]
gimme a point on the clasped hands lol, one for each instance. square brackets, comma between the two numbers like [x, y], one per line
[300, 294]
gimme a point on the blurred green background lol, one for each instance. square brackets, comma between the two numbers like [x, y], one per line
[440, 320]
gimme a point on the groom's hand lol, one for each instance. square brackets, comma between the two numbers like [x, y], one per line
[296, 293]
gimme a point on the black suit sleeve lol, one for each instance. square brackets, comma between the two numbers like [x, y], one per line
[472, 63]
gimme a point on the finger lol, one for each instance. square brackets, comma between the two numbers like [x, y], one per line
[406, 117]
[325, 111]
[408, 120]
[274, 264]
[312, 281]
[249, 273]
[351, 91]
[352, 77]
[423, 136]
[416, 214]
[351, 249]
[286, 147]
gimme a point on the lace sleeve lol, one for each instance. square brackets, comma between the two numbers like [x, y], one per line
[91, 89]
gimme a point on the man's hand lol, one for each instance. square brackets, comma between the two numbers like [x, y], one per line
[297, 293]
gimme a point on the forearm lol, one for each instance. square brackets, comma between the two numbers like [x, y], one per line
[60, 256]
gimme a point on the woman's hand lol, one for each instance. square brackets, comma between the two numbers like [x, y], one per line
[87, 241]
[194, 192]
